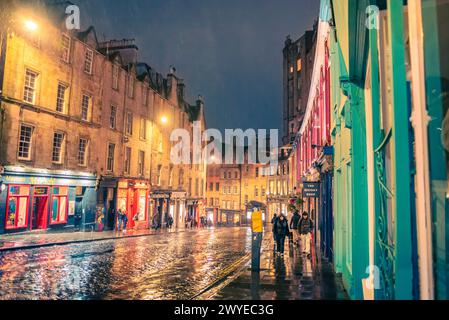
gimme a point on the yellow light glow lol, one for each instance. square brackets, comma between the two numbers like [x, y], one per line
[164, 119]
[31, 25]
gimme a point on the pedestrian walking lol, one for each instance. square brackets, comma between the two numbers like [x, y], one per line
[125, 220]
[305, 228]
[119, 219]
[281, 231]
[294, 227]
[273, 220]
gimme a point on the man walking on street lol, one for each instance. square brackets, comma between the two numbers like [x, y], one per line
[281, 231]
[294, 227]
[305, 228]
[273, 221]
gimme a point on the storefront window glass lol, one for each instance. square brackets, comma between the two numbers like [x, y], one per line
[17, 207]
[59, 207]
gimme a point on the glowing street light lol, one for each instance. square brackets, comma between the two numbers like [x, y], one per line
[164, 120]
[31, 25]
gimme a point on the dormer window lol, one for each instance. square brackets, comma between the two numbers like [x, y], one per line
[115, 76]
[88, 61]
[131, 87]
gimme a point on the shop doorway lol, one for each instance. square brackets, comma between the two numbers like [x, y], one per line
[40, 208]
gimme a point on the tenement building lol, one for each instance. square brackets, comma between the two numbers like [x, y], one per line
[85, 131]
[298, 57]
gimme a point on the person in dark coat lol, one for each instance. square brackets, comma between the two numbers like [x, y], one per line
[281, 230]
[273, 220]
[305, 229]
[294, 227]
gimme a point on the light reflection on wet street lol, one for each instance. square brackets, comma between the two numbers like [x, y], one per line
[165, 266]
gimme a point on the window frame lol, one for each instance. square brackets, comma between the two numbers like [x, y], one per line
[8, 196]
[65, 51]
[27, 86]
[61, 147]
[86, 150]
[113, 117]
[88, 115]
[30, 146]
[63, 99]
[110, 161]
[53, 196]
[88, 61]
[115, 76]
[127, 160]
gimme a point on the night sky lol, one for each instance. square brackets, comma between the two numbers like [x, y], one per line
[229, 51]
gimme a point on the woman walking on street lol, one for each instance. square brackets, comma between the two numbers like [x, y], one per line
[281, 230]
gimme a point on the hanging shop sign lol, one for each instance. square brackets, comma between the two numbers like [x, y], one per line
[311, 190]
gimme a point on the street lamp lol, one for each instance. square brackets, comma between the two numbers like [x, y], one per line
[164, 120]
[30, 25]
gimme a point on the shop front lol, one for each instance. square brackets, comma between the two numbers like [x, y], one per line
[160, 208]
[33, 199]
[178, 208]
[230, 218]
[132, 197]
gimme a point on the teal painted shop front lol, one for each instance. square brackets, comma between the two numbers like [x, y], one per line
[32, 199]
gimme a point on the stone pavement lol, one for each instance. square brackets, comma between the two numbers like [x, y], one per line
[37, 239]
[293, 277]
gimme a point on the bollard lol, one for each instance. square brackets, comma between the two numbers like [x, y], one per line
[256, 242]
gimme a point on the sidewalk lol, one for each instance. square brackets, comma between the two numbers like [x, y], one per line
[293, 277]
[31, 240]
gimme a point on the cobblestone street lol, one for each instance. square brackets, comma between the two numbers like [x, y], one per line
[179, 265]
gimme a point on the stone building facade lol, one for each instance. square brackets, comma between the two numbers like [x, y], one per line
[298, 58]
[85, 131]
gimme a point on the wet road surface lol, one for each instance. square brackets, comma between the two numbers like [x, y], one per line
[166, 266]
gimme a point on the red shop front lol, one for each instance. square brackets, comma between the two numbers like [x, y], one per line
[132, 197]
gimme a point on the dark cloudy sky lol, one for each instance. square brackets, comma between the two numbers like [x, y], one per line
[230, 51]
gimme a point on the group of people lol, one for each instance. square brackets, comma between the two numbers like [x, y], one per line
[301, 227]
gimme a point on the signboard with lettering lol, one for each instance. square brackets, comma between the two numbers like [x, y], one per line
[311, 190]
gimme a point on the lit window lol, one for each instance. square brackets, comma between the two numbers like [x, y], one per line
[17, 204]
[29, 92]
[58, 145]
[82, 151]
[299, 65]
[88, 61]
[59, 208]
[110, 162]
[61, 97]
[25, 140]
[85, 107]
[65, 48]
